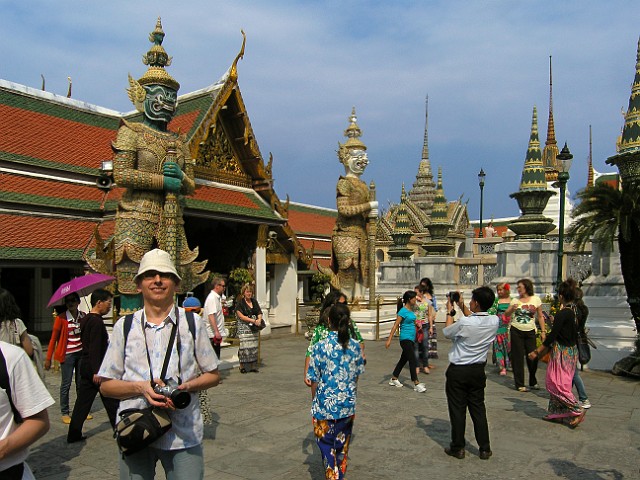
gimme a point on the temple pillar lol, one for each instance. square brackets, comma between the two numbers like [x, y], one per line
[261, 276]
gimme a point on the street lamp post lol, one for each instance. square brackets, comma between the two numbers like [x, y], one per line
[564, 164]
[481, 176]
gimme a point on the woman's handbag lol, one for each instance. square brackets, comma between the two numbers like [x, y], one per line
[419, 333]
[140, 427]
[584, 348]
[257, 328]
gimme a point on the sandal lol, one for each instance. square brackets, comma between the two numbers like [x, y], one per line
[575, 421]
[546, 418]
[523, 389]
[426, 370]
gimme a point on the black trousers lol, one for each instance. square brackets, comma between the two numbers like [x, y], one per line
[521, 344]
[408, 355]
[87, 391]
[465, 390]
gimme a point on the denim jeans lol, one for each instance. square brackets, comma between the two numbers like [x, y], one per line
[422, 349]
[577, 381]
[71, 363]
[186, 463]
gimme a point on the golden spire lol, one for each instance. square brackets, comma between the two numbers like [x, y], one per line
[550, 151]
[590, 175]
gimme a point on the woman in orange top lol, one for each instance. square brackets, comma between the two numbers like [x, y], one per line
[65, 346]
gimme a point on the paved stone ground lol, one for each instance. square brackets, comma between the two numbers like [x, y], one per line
[262, 428]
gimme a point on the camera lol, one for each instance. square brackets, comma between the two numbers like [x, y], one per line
[180, 398]
[454, 297]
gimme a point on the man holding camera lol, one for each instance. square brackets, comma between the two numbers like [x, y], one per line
[472, 336]
[134, 356]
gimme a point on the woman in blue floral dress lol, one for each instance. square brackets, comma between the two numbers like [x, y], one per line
[335, 364]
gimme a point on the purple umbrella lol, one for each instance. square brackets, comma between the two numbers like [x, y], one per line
[81, 285]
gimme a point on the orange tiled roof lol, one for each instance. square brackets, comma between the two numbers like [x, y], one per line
[41, 136]
[222, 195]
[47, 188]
[307, 220]
[49, 234]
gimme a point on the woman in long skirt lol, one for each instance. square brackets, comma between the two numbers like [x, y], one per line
[562, 343]
[249, 317]
[501, 344]
[335, 364]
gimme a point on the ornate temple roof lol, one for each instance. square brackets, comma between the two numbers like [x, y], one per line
[423, 191]
[422, 204]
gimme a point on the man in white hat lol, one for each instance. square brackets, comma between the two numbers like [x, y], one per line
[126, 376]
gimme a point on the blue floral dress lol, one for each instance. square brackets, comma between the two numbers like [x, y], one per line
[335, 371]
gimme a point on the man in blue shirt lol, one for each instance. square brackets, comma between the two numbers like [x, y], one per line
[472, 336]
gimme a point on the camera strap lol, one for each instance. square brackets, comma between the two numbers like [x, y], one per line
[167, 355]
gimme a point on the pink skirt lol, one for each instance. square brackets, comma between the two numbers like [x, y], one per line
[559, 380]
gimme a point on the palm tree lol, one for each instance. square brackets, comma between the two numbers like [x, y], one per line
[603, 214]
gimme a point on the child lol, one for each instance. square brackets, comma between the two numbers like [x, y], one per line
[335, 364]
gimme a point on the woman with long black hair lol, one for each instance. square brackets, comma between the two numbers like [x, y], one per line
[406, 322]
[12, 329]
[335, 364]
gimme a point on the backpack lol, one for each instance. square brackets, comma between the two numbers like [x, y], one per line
[6, 385]
[38, 356]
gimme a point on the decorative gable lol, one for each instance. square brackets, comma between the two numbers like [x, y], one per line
[216, 160]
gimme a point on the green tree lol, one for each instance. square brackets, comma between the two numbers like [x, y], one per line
[604, 215]
[237, 278]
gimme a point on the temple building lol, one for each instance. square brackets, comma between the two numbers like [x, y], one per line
[419, 204]
[58, 205]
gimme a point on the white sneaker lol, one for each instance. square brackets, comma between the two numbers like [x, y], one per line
[586, 404]
[420, 388]
[394, 382]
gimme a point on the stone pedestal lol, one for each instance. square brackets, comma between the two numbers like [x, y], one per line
[374, 322]
[610, 324]
[396, 277]
[532, 259]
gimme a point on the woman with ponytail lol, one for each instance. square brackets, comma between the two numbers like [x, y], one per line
[335, 364]
[406, 321]
[562, 343]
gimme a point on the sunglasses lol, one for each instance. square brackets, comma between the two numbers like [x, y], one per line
[154, 273]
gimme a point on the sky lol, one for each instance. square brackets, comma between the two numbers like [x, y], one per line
[483, 64]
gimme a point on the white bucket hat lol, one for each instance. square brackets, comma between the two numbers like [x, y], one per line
[157, 260]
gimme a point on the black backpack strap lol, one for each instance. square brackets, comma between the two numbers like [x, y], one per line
[128, 320]
[6, 385]
[191, 320]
